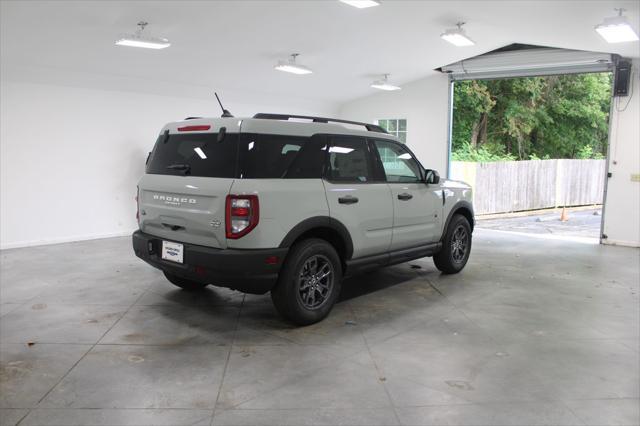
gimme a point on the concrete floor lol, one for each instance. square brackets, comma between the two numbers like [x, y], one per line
[584, 223]
[532, 332]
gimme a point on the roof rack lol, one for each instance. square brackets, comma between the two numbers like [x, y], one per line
[192, 118]
[369, 127]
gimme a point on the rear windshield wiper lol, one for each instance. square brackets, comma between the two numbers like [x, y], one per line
[186, 168]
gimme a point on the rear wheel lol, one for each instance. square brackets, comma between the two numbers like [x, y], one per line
[309, 282]
[456, 246]
[184, 283]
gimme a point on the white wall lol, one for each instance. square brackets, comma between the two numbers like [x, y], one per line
[622, 205]
[424, 103]
[71, 157]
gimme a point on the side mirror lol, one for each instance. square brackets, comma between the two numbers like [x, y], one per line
[431, 177]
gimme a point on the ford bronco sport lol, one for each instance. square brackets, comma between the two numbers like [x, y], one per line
[291, 205]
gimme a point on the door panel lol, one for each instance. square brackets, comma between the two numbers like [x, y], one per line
[369, 220]
[416, 220]
[417, 207]
[363, 205]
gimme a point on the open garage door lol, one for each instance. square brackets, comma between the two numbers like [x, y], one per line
[528, 61]
[575, 181]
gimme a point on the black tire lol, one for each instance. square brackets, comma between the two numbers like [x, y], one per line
[300, 287]
[456, 246]
[184, 283]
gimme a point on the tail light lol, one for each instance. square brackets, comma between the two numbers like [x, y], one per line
[242, 215]
[138, 204]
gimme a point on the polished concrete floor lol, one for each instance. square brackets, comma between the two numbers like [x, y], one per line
[532, 332]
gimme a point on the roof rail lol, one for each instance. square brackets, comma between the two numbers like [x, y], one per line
[192, 118]
[369, 127]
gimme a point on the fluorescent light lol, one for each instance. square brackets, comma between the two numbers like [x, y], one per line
[138, 40]
[616, 29]
[361, 4]
[147, 43]
[384, 84]
[457, 39]
[292, 67]
[457, 36]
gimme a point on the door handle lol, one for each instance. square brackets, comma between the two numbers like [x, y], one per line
[405, 196]
[349, 199]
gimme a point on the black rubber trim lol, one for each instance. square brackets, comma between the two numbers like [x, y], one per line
[366, 263]
[243, 270]
[462, 204]
[320, 222]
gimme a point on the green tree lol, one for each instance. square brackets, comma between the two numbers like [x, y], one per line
[531, 118]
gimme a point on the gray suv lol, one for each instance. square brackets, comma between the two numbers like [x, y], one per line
[291, 205]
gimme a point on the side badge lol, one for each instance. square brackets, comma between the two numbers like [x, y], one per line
[215, 223]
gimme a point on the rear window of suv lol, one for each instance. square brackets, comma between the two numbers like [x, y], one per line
[247, 156]
[195, 154]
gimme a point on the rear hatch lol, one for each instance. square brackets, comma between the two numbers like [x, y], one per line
[189, 174]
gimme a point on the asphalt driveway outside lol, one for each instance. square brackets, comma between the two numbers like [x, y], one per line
[581, 223]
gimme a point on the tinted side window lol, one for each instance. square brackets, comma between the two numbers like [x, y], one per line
[349, 159]
[197, 154]
[399, 165]
[268, 156]
[309, 162]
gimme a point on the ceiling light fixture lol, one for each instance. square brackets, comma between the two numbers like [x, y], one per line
[616, 29]
[457, 36]
[137, 40]
[361, 4]
[384, 84]
[292, 67]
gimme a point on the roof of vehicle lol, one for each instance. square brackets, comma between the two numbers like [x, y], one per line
[294, 126]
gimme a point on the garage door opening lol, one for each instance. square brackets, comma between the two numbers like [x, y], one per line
[530, 132]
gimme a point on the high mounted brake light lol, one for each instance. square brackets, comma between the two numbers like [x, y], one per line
[196, 128]
[242, 214]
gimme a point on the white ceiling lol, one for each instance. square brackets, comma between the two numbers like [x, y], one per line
[233, 45]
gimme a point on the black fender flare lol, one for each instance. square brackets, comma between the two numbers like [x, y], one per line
[320, 222]
[462, 204]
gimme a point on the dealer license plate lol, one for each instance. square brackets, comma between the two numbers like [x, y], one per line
[173, 251]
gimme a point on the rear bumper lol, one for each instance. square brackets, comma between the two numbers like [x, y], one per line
[243, 270]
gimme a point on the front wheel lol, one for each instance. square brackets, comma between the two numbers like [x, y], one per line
[309, 282]
[456, 246]
[184, 283]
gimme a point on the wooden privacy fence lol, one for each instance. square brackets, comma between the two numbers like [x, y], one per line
[509, 186]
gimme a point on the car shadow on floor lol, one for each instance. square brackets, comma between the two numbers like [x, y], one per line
[210, 302]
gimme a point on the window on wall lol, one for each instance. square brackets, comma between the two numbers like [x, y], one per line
[396, 127]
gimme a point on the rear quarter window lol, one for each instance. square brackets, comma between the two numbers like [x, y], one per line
[264, 156]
